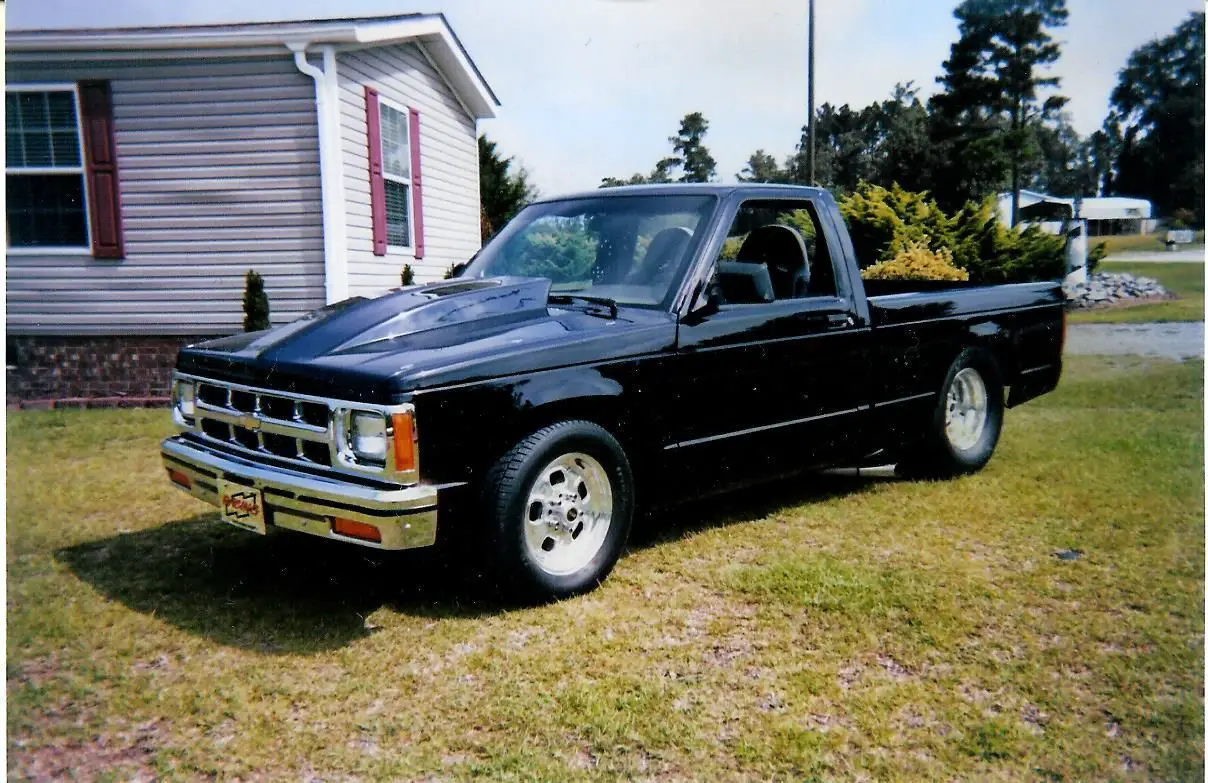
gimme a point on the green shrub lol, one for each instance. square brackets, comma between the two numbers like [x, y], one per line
[730, 248]
[1182, 218]
[255, 303]
[408, 275]
[1095, 255]
[563, 250]
[917, 262]
[800, 219]
[884, 222]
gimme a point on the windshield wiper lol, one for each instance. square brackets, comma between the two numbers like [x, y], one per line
[591, 300]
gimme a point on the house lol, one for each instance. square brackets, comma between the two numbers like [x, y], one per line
[148, 169]
[1103, 214]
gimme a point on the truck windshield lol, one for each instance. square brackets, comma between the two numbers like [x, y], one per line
[633, 250]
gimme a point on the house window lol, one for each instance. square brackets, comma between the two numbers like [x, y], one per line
[44, 168]
[396, 174]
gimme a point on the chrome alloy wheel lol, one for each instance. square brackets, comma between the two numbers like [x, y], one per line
[967, 409]
[568, 513]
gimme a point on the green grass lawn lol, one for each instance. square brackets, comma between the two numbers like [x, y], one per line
[820, 628]
[1185, 280]
[1127, 243]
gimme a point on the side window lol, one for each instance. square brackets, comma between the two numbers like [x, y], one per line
[783, 238]
[44, 169]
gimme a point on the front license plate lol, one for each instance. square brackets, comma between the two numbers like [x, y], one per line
[242, 506]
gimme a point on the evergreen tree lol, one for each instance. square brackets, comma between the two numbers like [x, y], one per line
[1061, 167]
[987, 115]
[692, 155]
[255, 303]
[904, 153]
[761, 167]
[1156, 125]
[501, 191]
[691, 159]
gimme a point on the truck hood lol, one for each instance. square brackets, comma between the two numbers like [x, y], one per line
[420, 337]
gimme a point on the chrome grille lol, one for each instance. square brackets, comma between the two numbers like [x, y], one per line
[265, 422]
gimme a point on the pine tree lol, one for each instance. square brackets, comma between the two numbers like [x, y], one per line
[1153, 138]
[989, 110]
[408, 275]
[255, 303]
[502, 191]
[691, 154]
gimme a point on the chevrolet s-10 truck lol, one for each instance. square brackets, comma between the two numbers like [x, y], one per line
[636, 345]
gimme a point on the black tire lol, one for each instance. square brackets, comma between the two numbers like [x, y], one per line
[936, 455]
[505, 502]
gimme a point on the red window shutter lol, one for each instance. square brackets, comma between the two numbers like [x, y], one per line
[417, 185]
[100, 166]
[377, 185]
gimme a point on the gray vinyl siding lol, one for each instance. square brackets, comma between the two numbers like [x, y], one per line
[448, 159]
[219, 173]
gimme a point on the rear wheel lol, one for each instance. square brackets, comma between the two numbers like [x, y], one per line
[561, 505]
[963, 429]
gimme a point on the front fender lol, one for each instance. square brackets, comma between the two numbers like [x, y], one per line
[464, 430]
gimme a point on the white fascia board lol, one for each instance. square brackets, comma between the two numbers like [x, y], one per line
[441, 46]
[173, 39]
[441, 43]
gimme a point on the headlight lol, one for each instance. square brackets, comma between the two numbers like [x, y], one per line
[182, 397]
[367, 437]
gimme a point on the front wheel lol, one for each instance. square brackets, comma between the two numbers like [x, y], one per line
[965, 424]
[561, 506]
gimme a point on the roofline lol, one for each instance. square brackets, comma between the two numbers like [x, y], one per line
[360, 32]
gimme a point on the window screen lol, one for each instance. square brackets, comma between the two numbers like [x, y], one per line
[398, 229]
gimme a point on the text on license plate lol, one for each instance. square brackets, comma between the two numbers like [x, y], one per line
[242, 506]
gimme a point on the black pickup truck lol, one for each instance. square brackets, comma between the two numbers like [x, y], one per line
[632, 345]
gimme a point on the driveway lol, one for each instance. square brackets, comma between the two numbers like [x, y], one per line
[1192, 255]
[1168, 341]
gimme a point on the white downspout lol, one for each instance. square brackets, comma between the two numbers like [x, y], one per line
[331, 168]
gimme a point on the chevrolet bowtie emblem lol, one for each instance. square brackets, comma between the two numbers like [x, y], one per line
[249, 422]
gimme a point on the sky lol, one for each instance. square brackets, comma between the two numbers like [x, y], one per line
[593, 88]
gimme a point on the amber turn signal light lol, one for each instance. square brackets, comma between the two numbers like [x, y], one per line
[405, 452]
[354, 529]
[180, 479]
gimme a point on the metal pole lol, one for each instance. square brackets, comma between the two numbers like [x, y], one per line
[810, 152]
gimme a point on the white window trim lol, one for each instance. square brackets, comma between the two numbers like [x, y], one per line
[409, 248]
[86, 248]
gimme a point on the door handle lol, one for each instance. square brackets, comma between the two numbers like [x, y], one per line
[829, 320]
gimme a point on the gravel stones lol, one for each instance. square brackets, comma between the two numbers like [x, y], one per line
[1106, 288]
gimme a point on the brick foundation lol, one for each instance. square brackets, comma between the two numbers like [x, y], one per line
[84, 369]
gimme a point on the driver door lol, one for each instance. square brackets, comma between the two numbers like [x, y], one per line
[770, 387]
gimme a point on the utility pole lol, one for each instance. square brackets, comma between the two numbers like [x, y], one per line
[811, 99]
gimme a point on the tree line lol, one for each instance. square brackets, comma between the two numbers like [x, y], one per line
[997, 124]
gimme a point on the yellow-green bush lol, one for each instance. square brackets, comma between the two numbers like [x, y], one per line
[917, 262]
[730, 248]
[884, 222]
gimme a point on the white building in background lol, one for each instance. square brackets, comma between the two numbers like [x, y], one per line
[1103, 214]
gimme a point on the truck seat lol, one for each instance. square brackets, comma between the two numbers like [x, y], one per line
[783, 250]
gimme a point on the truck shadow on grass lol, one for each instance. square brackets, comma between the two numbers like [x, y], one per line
[289, 593]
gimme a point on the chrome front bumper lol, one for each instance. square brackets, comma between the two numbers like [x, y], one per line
[307, 503]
